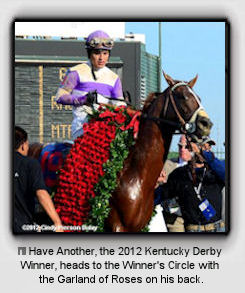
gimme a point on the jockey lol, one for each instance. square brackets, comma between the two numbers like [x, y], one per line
[82, 80]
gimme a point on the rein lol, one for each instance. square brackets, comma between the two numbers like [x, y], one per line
[111, 99]
[163, 121]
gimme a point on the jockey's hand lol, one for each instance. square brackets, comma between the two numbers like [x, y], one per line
[91, 98]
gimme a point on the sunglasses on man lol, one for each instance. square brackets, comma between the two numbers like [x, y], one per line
[182, 146]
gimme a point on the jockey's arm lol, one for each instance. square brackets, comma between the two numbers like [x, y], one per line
[64, 94]
[47, 203]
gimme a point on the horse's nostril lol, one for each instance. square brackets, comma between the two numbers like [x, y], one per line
[205, 123]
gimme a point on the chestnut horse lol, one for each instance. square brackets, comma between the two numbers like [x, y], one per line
[177, 108]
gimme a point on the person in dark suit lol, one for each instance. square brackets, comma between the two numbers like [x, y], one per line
[28, 184]
[171, 209]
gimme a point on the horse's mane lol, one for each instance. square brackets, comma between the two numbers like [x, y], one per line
[151, 97]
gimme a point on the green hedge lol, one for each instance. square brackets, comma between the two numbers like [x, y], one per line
[173, 155]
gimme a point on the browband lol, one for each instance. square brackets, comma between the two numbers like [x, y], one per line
[178, 84]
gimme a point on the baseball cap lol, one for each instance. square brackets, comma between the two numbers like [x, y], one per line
[208, 140]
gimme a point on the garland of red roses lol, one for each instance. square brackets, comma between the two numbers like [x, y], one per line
[84, 168]
[119, 150]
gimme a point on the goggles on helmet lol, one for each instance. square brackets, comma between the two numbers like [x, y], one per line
[100, 43]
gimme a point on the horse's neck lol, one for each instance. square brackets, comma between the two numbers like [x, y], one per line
[152, 145]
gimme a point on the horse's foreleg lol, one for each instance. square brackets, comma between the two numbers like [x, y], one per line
[114, 223]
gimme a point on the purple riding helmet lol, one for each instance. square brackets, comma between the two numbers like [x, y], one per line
[99, 40]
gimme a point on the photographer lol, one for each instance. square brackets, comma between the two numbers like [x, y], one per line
[171, 209]
[199, 187]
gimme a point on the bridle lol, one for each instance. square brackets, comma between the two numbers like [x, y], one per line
[188, 127]
[185, 127]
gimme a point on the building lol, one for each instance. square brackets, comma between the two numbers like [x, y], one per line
[40, 65]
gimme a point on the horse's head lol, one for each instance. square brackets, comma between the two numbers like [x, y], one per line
[182, 105]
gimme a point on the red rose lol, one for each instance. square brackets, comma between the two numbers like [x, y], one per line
[106, 114]
[120, 118]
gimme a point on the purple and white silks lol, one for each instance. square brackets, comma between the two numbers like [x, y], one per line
[78, 82]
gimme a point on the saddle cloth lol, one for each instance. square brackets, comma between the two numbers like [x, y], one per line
[52, 158]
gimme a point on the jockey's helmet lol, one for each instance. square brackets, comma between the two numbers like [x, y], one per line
[99, 40]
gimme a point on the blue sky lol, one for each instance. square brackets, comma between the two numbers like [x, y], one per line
[190, 48]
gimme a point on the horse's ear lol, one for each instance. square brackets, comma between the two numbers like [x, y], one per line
[168, 79]
[193, 81]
